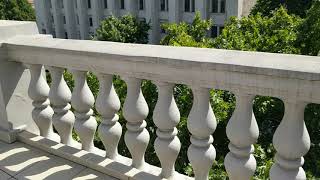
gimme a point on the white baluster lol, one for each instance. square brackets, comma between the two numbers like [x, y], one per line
[243, 132]
[292, 142]
[42, 113]
[82, 100]
[108, 104]
[60, 97]
[135, 111]
[166, 116]
[201, 124]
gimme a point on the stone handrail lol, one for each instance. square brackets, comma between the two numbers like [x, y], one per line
[294, 79]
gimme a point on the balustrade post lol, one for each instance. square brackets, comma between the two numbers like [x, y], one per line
[166, 116]
[292, 142]
[201, 124]
[42, 113]
[108, 104]
[242, 131]
[60, 97]
[82, 100]
[135, 111]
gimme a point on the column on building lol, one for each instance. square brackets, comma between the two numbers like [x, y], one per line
[58, 18]
[97, 12]
[131, 6]
[70, 16]
[203, 7]
[83, 18]
[175, 11]
[233, 8]
[152, 16]
[44, 20]
[113, 6]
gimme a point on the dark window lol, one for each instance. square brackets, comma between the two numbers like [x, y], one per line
[52, 19]
[187, 5]
[163, 31]
[54, 34]
[214, 6]
[221, 29]
[121, 4]
[66, 35]
[90, 22]
[223, 6]
[193, 5]
[77, 19]
[105, 4]
[141, 4]
[76, 3]
[50, 4]
[214, 31]
[64, 20]
[61, 2]
[44, 31]
[167, 5]
[162, 5]
[89, 4]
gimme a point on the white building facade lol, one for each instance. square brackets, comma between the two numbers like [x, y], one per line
[78, 19]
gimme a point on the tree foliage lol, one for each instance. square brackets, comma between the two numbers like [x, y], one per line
[184, 34]
[309, 37]
[277, 33]
[19, 10]
[126, 29]
[296, 7]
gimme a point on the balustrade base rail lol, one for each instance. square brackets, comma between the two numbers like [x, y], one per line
[121, 170]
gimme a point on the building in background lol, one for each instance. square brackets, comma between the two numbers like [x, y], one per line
[31, 2]
[78, 19]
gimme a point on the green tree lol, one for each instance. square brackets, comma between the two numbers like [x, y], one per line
[277, 33]
[296, 7]
[184, 34]
[310, 31]
[19, 10]
[126, 29]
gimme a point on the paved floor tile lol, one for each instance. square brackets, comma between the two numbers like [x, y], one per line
[4, 176]
[89, 174]
[52, 169]
[15, 158]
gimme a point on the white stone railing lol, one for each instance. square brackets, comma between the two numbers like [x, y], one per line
[294, 79]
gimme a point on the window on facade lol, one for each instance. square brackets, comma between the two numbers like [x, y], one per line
[52, 19]
[64, 20]
[214, 6]
[90, 22]
[76, 3]
[66, 35]
[221, 29]
[141, 4]
[164, 5]
[54, 34]
[105, 3]
[77, 19]
[214, 31]
[121, 4]
[50, 4]
[193, 5]
[222, 6]
[189, 5]
[89, 4]
[44, 31]
[61, 2]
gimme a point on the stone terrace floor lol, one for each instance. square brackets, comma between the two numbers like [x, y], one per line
[21, 161]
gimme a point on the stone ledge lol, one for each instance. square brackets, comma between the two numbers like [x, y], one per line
[121, 170]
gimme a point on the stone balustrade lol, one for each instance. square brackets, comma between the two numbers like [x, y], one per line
[294, 79]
